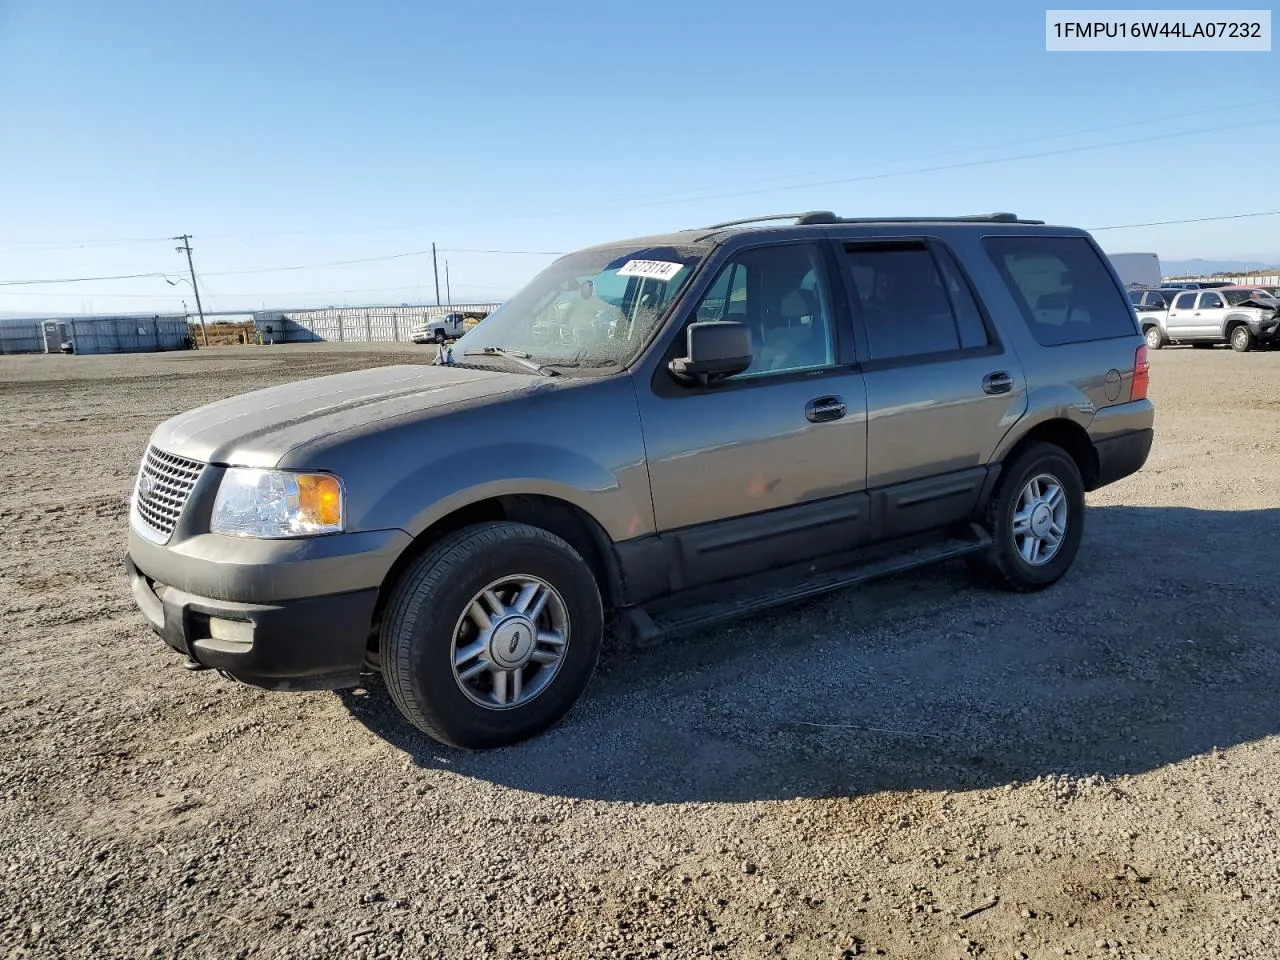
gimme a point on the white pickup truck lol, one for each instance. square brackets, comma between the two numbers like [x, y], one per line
[447, 326]
[1244, 317]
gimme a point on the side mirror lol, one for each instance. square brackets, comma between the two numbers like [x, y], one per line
[715, 349]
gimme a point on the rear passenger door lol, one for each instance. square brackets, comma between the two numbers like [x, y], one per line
[1210, 312]
[942, 390]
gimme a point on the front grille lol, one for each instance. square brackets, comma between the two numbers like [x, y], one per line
[164, 484]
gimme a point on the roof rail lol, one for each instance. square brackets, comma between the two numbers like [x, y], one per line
[969, 218]
[826, 216]
[798, 217]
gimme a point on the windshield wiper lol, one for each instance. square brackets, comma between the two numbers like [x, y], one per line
[515, 356]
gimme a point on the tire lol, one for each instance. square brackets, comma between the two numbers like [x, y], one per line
[430, 604]
[1155, 339]
[1241, 339]
[440, 337]
[1003, 563]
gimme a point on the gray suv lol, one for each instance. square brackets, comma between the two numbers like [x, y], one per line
[657, 434]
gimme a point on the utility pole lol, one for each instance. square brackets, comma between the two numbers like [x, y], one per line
[448, 294]
[186, 246]
[436, 272]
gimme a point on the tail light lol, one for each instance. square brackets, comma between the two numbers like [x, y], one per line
[1141, 374]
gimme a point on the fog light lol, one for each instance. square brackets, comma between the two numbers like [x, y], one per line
[232, 631]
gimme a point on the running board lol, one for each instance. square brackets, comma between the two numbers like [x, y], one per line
[674, 616]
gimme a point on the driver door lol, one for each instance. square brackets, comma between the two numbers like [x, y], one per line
[768, 467]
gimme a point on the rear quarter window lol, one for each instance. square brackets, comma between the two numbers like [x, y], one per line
[1063, 289]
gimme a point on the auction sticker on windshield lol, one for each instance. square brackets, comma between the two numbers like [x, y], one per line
[654, 269]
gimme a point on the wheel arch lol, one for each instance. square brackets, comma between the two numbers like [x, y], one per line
[1069, 436]
[566, 520]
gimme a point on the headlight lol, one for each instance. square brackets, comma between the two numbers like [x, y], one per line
[277, 503]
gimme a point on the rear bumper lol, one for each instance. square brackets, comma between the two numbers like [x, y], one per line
[312, 643]
[1120, 456]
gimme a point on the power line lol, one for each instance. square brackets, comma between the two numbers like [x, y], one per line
[666, 197]
[1165, 223]
[80, 244]
[992, 146]
[255, 295]
[531, 253]
[950, 166]
[395, 256]
[316, 266]
[285, 269]
[378, 259]
[123, 276]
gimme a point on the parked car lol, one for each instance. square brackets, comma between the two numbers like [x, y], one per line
[448, 326]
[781, 411]
[1151, 299]
[1196, 284]
[1235, 296]
[1240, 316]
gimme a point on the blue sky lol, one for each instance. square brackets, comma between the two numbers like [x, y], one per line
[291, 134]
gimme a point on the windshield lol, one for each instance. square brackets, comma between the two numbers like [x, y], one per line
[596, 308]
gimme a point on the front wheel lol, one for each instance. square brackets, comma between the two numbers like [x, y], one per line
[1241, 339]
[492, 635]
[1155, 339]
[1036, 520]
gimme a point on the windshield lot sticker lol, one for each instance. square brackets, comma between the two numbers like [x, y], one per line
[654, 269]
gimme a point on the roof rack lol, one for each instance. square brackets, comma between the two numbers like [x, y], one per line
[969, 218]
[826, 216]
[797, 217]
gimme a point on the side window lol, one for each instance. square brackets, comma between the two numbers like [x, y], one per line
[779, 293]
[1185, 301]
[1135, 297]
[727, 297]
[1210, 301]
[903, 299]
[973, 332]
[1063, 289]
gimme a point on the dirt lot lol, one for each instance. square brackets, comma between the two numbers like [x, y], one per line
[920, 768]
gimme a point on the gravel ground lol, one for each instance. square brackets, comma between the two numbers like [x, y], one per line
[918, 768]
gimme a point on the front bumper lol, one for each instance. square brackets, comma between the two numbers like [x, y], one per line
[316, 643]
[1266, 331]
[280, 614]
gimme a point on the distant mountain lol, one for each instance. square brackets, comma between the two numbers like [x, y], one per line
[1198, 267]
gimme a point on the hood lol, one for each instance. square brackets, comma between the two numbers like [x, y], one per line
[257, 429]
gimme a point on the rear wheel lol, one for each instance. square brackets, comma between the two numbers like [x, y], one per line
[1036, 520]
[1155, 339]
[492, 635]
[1241, 339]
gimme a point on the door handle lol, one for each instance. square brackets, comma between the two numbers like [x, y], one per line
[825, 408]
[998, 382]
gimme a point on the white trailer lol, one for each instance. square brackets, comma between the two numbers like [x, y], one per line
[1137, 270]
